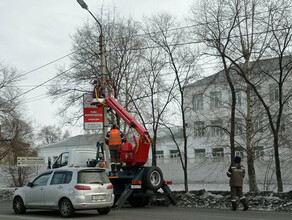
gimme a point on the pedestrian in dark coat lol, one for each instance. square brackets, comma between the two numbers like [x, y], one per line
[236, 172]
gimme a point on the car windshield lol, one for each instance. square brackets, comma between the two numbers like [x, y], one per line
[92, 177]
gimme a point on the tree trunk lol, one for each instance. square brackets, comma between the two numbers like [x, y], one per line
[249, 147]
[277, 163]
[186, 179]
[251, 171]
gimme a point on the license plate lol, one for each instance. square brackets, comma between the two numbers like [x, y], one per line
[97, 198]
[135, 186]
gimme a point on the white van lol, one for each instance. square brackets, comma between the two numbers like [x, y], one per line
[74, 158]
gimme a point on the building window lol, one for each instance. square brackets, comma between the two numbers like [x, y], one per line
[238, 126]
[273, 92]
[198, 102]
[238, 98]
[218, 152]
[254, 97]
[283, 125]
[159, 154]
[199, 129]
[216, 130]
[200, 153]
[174, 153]
[216, 99]
[258, 124]
[239, 151]
[258, 151]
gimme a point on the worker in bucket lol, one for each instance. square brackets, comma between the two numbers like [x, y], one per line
[114, 139]
[236, 172]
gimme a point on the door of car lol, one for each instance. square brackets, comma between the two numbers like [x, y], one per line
[35, 195]
[58, 187]
[61, 161]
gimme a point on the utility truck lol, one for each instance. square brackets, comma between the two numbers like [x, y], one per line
[135, 183]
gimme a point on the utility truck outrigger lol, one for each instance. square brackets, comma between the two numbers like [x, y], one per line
[135, 183]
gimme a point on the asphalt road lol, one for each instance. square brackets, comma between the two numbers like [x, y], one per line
[150, 213]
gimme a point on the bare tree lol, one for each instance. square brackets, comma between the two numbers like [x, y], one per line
[51, 134]
[181, 62]
[249, 23]
[20, 134]
[8, 79]
[156, 93]
[122, 64]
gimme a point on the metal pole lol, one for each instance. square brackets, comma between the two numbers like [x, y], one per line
[104, 74]
[104, 86]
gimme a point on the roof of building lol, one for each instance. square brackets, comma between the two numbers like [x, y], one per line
[261, 66]
[79, 140]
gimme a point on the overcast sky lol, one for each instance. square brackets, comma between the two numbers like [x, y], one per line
[36, 32]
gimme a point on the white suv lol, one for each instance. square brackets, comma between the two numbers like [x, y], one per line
[66, 189]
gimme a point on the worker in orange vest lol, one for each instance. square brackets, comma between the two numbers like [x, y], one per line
[114, 139]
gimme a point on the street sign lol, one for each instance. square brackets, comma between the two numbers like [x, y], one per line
[30, 161]
[93, 119]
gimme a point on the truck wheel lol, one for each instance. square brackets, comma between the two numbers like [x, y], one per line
[153, 178]
[138, 201]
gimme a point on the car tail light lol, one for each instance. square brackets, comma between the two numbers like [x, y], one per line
[110, 187]
[80, 187]
[167, 182]
[136, 182]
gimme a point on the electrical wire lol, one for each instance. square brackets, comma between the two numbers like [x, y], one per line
[43, 83]
[136, 35]
[131, 49]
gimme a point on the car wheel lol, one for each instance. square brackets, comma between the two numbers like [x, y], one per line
[153, 178]
[18, 206]
[104, 211]
[66, 208]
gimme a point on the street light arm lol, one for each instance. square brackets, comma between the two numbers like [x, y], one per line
[84, 6]
[96, 21]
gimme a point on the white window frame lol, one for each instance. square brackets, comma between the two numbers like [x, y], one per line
[199, 128]
[216, 99]
[200, 153]
[174, 153]
[159, 154]
[198, 102]
[218, 153]
[273, 92]
[238, 98]
[216, 131]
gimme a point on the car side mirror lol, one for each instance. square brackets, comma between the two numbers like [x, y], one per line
[30, 184]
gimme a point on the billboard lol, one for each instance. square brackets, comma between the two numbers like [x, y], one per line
[92, 115]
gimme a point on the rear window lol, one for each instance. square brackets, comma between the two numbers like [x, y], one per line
[92, 176]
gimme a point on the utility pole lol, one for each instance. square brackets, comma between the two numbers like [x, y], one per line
[104, 78]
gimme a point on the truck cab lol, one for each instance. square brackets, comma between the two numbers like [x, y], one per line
[73, 158]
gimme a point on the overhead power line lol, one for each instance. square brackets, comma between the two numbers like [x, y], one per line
[45, 82]
[136, 35]
[47, 64]
[143, 48]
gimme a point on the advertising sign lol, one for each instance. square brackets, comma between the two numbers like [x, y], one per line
[30, 161]
[92, 115]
